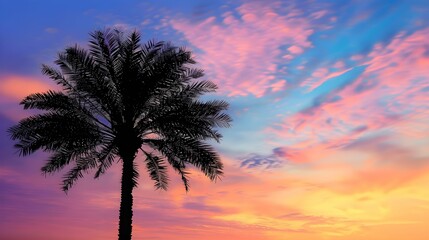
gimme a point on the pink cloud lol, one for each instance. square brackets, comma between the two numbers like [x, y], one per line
[383, 165]
[241, 53]
[356, 57]
[14, 87]
[277, 86]
[323, 74]
[377, 178]
[387, 96]
[339, 65]
[319, 14]
[288, 57]
[295, 50]
[320, 72]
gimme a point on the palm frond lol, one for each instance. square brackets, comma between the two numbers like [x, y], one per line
[157, 170]
[82, 166]
[105, 47]
[58, 77]
[52, 131]
[180, 169]
[61, 158]
[187, 118]
[89, 82]
[48, 101]
[180, 151]
[57, 161]
[106, 157]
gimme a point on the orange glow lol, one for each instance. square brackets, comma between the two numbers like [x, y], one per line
[18, 87]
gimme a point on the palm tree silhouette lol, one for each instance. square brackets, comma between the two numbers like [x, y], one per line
[118, 98]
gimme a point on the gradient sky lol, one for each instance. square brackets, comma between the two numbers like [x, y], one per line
[330, 101]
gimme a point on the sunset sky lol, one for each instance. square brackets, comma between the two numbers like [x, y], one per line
[330, 139]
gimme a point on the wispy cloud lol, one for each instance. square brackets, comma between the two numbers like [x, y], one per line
[391, 89]
[242, 50]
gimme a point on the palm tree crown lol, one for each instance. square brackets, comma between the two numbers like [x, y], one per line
[118, 98]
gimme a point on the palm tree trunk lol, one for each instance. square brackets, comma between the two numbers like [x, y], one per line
[126, 209]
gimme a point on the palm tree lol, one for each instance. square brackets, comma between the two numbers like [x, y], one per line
[118, 98]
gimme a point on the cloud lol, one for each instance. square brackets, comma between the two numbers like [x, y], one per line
[13, 88]
[125, 27]
[386, 95]
[16, 87]
[278, 86]
[389, 153]
[319, 14]
[261, 161]
[241, 52]
[200, 206]
[295, 50]
[321, 76]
